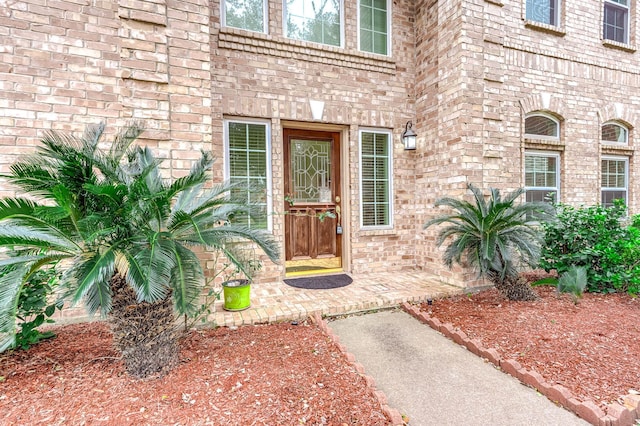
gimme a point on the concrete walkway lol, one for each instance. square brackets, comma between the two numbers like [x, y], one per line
[434, 381]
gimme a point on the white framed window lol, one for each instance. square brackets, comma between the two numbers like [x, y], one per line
[542, 176]
[544, 11]
[615, 25]
[615, 179]
[376, 179]
[541, 126]
[374, 26]
[248, 163]
[613, 132]
[248, 15]
[319, 21]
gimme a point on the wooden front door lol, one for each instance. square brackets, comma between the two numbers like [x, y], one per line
[312, 202]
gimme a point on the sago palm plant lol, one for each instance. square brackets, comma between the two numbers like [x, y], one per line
[494, 235]
[125, 235]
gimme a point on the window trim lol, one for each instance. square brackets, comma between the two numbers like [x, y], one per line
[627, 27]
[542, 137]
[546, 154]
[265, 17]
[268, 148]
[389, 30]
[558, 16]
[616, 143]
[389, 134]
[626, 177]
[342, 28]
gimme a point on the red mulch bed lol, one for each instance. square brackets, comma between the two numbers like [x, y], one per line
[592, 348]
[256, 375]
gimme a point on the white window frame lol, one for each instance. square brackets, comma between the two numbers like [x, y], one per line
[269, 171]
[626, 177]
[543, 137]
[342, 25]
[558, 5]
[265, 17]
[627, 24]
[545, 154]
[616, 123]
[390, 150]
[389, 30]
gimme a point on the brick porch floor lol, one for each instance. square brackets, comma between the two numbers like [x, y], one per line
[275, 302]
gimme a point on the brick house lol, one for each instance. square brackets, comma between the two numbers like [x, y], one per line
[310, 99]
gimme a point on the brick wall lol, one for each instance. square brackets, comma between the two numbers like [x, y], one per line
[66, 64]
[268, 76]
[464, 71]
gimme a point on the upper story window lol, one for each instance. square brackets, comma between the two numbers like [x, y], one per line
[319, 21]
[544, 11]
[615, 25]
[541, 126]
[248, 15]
[374, 26]
[248, 162]
[615, 132]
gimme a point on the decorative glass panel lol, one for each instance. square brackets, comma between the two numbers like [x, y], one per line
[612, 132]
[311, 171]
[245, 14]
[543, 11]
[540, 125]
[374, 26]
[314, 20]
[616, 21]
[248, 168]
[375, 165]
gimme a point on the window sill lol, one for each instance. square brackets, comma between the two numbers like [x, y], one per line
[617, 45]
[617, 149]
[539, 26]
[376, 232]
[272, 45]
[543, 144]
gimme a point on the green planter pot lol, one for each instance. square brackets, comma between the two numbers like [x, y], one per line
[236, 295]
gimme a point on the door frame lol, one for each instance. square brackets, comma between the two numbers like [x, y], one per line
[344, 177]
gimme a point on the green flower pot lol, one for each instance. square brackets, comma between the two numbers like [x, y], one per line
[236, 295]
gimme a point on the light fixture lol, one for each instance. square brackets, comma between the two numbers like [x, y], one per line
[409, 137]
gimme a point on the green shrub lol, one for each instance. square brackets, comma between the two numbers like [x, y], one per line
[594, 237]
[34, 308]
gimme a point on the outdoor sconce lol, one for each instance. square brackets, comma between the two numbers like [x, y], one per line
[409, 137]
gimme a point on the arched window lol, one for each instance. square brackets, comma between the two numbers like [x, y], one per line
[615, 132]
[541, 126]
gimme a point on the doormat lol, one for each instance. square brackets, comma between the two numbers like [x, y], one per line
[322, 282]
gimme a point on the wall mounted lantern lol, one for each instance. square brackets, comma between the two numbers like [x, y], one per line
[409, 137]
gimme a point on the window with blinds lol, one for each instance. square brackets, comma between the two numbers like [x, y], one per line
[542, 176]
[375, 179]
[248, 168]
[614, 179]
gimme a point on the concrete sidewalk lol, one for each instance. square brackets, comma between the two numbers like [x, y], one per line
[434, 381]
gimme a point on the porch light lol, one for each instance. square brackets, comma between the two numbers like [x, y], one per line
[409, 137]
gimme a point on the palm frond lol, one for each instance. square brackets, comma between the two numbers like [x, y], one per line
[187, 279]
[35, 235]
[11, 282]
[152, 268]
[92, 269]
[220, 236]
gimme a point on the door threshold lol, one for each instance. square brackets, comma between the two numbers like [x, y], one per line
[322, 271]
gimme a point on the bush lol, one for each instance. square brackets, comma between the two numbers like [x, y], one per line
[594, 237]
[34, 308]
